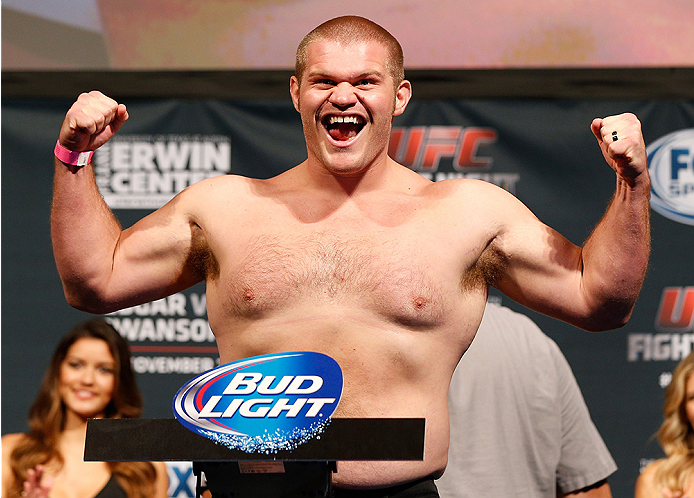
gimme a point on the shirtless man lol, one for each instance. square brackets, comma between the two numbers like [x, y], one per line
[349, 253]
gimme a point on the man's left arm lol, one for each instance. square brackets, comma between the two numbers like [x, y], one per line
[615, 256]
[594, 286]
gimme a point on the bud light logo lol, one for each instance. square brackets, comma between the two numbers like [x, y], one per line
[671, 167]
[262, 404]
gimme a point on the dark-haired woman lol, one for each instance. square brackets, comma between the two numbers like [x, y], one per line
[89, 376]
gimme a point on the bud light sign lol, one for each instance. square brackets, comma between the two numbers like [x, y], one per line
[262, 404]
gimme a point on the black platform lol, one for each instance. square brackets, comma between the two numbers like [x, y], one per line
[120, 440]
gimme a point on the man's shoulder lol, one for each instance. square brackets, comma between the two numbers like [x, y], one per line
[482, 194]
[222, 185]
[463, 183]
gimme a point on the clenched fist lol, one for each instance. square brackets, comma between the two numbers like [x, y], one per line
[91, 122]
[622, 145]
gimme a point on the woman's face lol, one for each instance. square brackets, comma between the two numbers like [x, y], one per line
[87, 377]
[689, 399]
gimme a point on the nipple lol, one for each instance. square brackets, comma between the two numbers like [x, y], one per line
[420, 303]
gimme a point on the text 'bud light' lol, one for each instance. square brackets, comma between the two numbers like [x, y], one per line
[262, 404]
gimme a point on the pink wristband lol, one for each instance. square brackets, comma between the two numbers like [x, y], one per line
[68, 156]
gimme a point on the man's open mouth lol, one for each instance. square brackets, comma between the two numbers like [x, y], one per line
[343, 128]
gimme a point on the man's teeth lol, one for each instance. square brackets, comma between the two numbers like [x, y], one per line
[343, 119]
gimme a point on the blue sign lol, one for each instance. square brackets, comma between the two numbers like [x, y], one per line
[262, 404]
[671, 167]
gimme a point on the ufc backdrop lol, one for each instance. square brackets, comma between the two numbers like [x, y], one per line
[541, 151]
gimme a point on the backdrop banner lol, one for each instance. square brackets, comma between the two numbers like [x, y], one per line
[542, 151]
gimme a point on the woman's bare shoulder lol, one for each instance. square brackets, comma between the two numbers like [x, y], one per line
[645, 487]
[10, 441]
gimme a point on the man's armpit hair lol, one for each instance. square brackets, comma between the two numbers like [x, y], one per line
[200, 259]
[486, 271]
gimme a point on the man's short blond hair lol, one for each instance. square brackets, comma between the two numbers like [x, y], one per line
[353, 29]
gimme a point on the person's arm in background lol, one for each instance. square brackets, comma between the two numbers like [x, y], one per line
[585, 462]
[598, 490]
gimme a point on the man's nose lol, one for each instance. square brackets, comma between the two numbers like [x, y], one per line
[343, 95]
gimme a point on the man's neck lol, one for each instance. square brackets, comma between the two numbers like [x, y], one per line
[370, 178]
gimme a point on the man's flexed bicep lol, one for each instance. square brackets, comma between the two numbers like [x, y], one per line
[538, 267]
[587, 286]
[104, 268]
[157, 256]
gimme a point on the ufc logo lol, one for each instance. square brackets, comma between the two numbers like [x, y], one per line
[421, 148]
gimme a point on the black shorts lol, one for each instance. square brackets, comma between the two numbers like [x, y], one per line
[424, 488]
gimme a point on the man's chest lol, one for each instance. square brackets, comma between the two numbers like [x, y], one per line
[411, 273]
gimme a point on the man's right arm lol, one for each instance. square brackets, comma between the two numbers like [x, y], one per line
[102, 267]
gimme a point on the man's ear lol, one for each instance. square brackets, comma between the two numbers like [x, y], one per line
[294, 92]
[402, 97]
